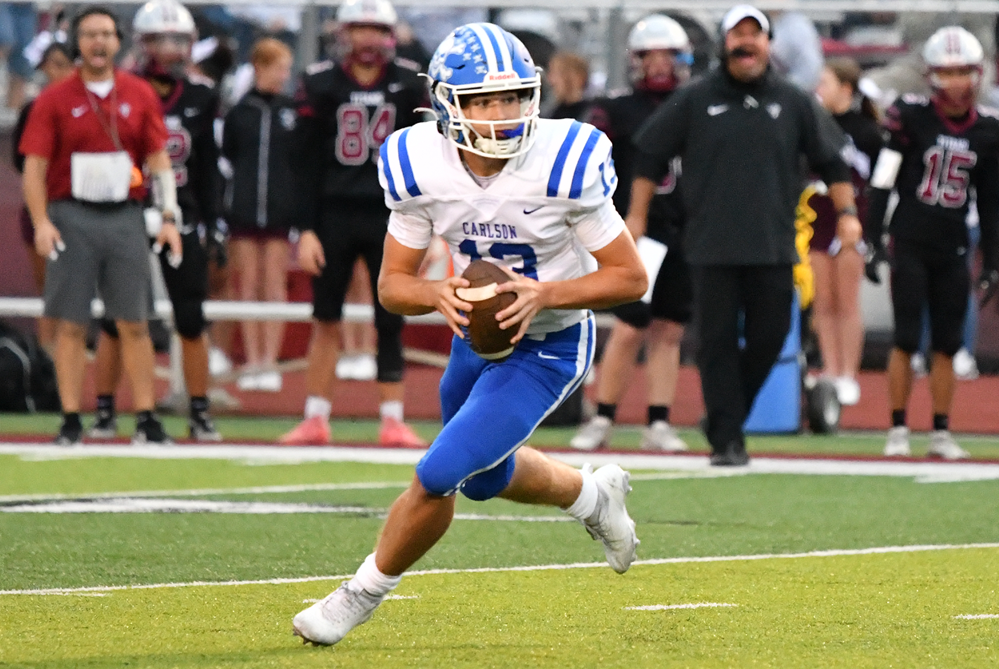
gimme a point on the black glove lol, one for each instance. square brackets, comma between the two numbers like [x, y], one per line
[216, 241]
[988, 284]
[875, 256]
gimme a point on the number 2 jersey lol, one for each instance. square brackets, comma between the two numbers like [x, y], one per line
[535, 217]
[345, 123]
[943, 161]
[189, 114]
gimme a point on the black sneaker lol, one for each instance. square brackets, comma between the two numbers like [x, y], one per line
[202, 428]
[150, 431]
[734, 455]
[105, 425]
[70, 434]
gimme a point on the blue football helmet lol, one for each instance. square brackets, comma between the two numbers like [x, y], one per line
[483, 58]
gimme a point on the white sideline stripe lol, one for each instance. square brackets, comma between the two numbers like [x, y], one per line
[977, 616]
[166, 505]
[927, 472]
[666, 607]
[313, 601]
[882, 550]
[203, 492]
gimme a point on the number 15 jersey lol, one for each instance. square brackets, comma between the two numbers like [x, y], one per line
[943, 160]
[535, 217]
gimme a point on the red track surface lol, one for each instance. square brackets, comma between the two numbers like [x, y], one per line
[976, 404]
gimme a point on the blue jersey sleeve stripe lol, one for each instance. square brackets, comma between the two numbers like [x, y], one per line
[563, 153]
[407, 168]
[576, 190]
[387, 171]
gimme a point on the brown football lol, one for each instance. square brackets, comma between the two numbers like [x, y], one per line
[484, 334]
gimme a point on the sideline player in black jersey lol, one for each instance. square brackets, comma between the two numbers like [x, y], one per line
[347, 108]
[661, 60]
[939, 148]
[165, 32]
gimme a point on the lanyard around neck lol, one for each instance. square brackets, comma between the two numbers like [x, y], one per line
[110, 125]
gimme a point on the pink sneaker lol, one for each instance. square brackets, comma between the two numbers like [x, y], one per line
[397, 433]
[311, 431]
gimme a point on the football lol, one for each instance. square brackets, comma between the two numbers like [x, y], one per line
[484, 334]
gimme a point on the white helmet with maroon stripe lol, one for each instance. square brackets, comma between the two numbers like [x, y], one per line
[953, 47]
[161, 17]
[367, 12]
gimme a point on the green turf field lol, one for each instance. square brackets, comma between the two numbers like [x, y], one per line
[843, 610]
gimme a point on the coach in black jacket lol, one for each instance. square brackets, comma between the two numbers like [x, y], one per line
[740, 133]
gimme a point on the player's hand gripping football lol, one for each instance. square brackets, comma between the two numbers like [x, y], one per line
[530, 300]
[988, 284]
[450, 305]
[310, 253]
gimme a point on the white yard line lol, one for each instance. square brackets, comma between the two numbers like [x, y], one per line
[978, 616]
[667, 607]
[882, 550]
[926, 471]
[204, 492]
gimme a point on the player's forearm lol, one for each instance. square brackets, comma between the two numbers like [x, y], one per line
[642, 192]
[35, 195]
[877, 208]
[841, 194]
[407, 295]
[607, 287]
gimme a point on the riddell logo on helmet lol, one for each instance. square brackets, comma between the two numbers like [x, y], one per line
[501, 76]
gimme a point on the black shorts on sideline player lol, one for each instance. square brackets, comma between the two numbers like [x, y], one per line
[672, 295]
[926, 275]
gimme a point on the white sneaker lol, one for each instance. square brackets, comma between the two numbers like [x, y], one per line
[965, 367]
[918, 364]
[660, 436]
[365, 368]
[328, 620]
[847, 391]
[218, 362]
[942, 445]
[270, 382]
[595, 434]
[345, 367]
[610, 522]
[248, 380]
[898, 442]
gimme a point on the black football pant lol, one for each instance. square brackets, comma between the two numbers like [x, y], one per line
[732, 303]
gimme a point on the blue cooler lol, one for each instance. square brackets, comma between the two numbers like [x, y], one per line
[778, 405]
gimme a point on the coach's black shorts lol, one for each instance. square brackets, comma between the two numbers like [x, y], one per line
[348, 229]
[923, 275]
[672, 294]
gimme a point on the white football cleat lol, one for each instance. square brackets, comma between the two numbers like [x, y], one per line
[660, 436]
[942, 445]
[327, 621]
[898, 442]
[593, 435]
[847, 391]
[610, 522]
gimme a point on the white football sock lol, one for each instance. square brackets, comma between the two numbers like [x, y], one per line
[586, 503]
[317, 406]
[391, 409]
[369, 578]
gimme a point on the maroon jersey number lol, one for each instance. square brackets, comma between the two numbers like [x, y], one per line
[945, 181]
[359, 136]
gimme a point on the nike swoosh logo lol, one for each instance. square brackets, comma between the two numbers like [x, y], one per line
[714, 110]
[531, 211]
[545, 356]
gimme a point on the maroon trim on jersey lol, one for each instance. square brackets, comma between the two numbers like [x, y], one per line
[952, 125]
[345, 66]
[168, 103]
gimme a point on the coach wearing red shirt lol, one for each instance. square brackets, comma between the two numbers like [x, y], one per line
[85, 141]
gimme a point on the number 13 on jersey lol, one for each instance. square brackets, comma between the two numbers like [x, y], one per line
[359, 136]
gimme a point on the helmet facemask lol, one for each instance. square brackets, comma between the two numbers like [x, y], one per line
[166, 55]
[679, 73]
[951, 94]
[505, 138]
[355, 45]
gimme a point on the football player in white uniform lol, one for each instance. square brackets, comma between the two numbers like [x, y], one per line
[529, 195]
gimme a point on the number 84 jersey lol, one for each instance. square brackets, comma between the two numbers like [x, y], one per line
[536, 217]
[944, 162]
[344, 123]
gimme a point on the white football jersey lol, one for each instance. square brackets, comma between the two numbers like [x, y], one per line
[535, 217]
